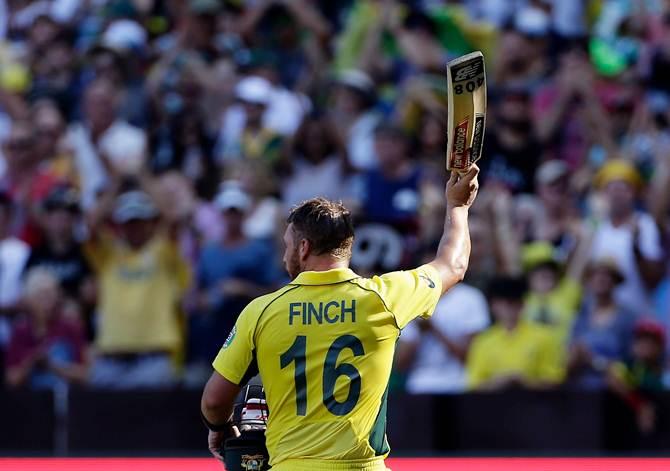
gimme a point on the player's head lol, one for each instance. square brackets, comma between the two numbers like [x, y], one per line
[317, 228]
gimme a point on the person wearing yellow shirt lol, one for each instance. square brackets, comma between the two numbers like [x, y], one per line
[513, 352]
[324, 344]
[554, 294]
[142, 277]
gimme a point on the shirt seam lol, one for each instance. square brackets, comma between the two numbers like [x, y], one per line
[292, 287]
[372, 290]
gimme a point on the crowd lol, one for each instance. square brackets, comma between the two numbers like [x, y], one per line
[150, 151]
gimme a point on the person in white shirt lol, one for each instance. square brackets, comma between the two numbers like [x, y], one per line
[433, 351]
[13, 256]
[353, 112]
[103, 139]
[629, 236]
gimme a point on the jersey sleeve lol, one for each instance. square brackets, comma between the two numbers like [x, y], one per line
[411, 293]
[236, 361]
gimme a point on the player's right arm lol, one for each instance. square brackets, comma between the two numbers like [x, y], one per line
[453, 253]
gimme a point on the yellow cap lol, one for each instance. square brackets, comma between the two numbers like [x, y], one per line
[536, 254]
[14, 78]
[617, 170]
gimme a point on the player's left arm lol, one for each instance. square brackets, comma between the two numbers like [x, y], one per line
[453, 253]
[217, 400]
[233, 367]
[216, 407]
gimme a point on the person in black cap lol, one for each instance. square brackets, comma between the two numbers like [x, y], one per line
[499, 357]
[60, 251]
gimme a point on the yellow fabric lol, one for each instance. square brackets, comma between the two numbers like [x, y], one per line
[139, 293]
[618, 170]
[559, 306]
[338, 315]
[621, 372]
[322, 465]
[530, 350]
[536, 253]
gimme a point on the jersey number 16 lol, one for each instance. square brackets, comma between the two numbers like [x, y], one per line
[331, 371]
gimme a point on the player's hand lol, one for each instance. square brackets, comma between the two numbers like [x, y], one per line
[215, 440]
[462, 190]
[215, 443]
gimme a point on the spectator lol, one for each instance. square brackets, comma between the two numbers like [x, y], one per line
[60, 252]
[183, 142]
[118, 57]
[640, 380]
[392, 192]
[13, 255]
[230, 272]
[602, 330]
[512, 353]
[47, 347]
[511, 153]
[245, 136]
[629, 236]
[523, 48]
[553, 215]
[568, 111]
[659, 205]
[142, 278]
[102, 140]
[54, 65]
[353, 98]
[553, 297]
[50, 144]
[319, 164]
[433, 351]
[266, 212]
[296, 32]
[24, 178]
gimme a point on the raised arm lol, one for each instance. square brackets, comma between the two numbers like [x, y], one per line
[453, 252]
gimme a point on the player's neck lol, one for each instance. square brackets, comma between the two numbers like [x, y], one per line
[324, 263]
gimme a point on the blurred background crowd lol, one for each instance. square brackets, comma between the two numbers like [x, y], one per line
[150, 151]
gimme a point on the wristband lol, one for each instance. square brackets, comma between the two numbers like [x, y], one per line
[214, 427]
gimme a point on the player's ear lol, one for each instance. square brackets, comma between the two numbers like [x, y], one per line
[304, 249]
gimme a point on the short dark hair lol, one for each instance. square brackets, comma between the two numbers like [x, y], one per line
[326, 224]
[391, 131]
[506, 287]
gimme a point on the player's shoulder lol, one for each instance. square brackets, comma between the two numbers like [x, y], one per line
[397, 279]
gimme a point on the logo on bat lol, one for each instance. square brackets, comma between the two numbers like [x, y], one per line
[253, 462]
[477, 137]
[468, 71]
[459, 151]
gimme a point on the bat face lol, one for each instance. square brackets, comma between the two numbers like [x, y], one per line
[466, 82]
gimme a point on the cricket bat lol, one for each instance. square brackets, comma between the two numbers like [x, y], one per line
[466, 88]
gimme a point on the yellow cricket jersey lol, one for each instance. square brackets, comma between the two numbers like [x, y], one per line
[530, 350]
[139, 294]
[324, 347]
[555, 309]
